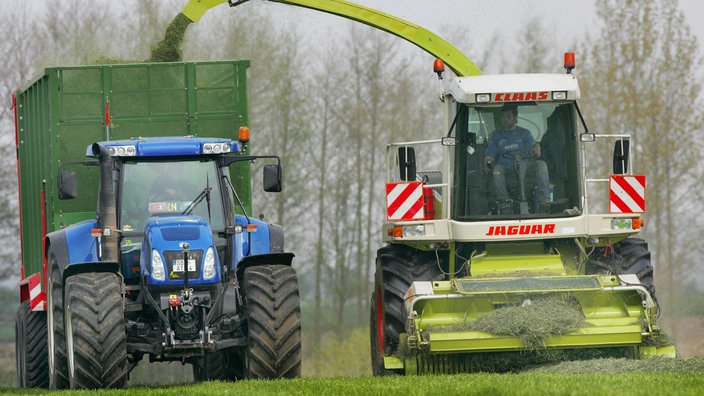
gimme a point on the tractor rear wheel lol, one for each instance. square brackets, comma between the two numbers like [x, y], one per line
[96, 344]
[219, 366]
[31, 350]
[56, 340]
[397, 267]
[273, 322]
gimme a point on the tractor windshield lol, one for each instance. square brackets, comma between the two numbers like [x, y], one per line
[161, 188]
[516, 160]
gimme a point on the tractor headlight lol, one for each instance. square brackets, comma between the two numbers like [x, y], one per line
[621, 224]
[414, 230]
[209, 264]
[158, 272]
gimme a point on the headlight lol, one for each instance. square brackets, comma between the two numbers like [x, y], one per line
[414, 230]
[216, 148]
[158, 272]
[209, 264]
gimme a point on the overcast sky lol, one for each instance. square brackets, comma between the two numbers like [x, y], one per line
[564, 20]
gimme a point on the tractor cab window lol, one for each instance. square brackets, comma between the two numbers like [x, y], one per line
[516, 160]
[162, 188]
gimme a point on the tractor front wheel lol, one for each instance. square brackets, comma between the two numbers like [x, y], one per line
[96, 344]
[273, 322]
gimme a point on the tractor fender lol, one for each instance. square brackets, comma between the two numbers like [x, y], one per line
[262, 259]
[75, 250]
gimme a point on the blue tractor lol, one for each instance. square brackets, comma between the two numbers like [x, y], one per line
[172, 267]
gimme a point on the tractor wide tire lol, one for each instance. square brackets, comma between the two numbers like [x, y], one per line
[32, 353]
[95, 331]
[273, 322]
[397, 268]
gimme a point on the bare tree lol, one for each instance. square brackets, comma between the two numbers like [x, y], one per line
[641, 76]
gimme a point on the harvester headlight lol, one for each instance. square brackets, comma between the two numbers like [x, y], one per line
[559, 95]
[414, 230]
[482, 98]
[621, 224]
[209, 264]
[158, 272]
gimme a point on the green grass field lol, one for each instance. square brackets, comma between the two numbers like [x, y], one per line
[597, 377]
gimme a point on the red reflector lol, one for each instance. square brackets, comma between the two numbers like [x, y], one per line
[96, 232]
[251, 228]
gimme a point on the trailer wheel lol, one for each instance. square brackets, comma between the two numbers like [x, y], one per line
[31, 348]
[273, 322]
[397, 267]
[56, 340]
[95, 331]
[630, 256]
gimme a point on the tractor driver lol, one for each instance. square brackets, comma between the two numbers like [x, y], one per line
[513, 149]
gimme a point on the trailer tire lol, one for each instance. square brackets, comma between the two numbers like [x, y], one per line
[629, 256]
[56, 340]
[31, 349]
[96, 344]
[273, 322]
[397, 267]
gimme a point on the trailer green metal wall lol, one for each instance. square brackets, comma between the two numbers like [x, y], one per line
[63, 111]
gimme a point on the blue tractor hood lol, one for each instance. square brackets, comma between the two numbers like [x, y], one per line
[164, 241]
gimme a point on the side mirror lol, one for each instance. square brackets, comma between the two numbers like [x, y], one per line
[621, 148]
[68, 188]
[272, 178]
[407, 163]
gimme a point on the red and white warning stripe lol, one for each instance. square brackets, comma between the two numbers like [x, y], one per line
[404, 201]
[627, 194]
[37, 299]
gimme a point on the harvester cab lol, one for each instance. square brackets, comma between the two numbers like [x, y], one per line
[499, 214]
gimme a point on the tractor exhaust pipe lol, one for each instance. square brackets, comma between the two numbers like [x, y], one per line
[107, 212]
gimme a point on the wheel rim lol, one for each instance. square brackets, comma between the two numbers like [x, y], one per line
[68, 330]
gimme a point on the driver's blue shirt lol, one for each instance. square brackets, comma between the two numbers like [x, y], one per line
[504, 146]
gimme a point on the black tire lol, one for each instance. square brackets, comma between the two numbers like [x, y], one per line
[219, 366]
[630, 256]
[273, 322]
[31, 349]
[397, 267]
[56, 341]
[95, 332]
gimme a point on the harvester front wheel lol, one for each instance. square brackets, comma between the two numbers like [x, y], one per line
[273, 322]
[56, 340]
[31, 348]
[96, 344]
[397, 267]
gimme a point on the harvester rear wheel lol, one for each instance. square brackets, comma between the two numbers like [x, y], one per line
[96, 344]
[273, 322]
[30, 348]
[56, 341]
[630, 256]
[397, 267]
